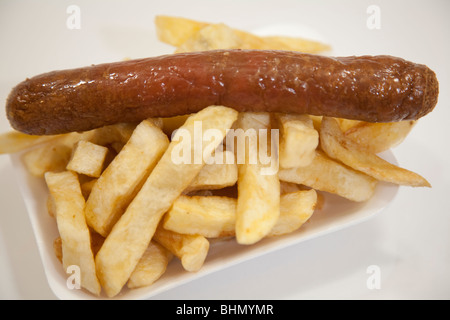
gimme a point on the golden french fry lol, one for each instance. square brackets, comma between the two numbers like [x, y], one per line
[115, 135]
[51, 208]
[121, 180]
[258, 204]
[86, 187]
[132, 233]
[216, 175]
[346, 124]
[379, 137]
[54, 155]
[190, 249]
[184, 33]
[325, 174]
[176, 30]
[57, 248]
[172, 123]
[288, 187]
[211, 216]
[14, 141]
[150, 267]
[49, 157]
[295, 209]
[215, 216]
[298, 141]
[316, 121]
[212, 37]
[87, 158]
[339, 147]
[69, 203]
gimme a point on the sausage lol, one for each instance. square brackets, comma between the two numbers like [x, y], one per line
[368, 88]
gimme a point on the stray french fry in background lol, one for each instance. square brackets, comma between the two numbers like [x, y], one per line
[186, 35]
[325, 174]
[379, 137]
[298, 140]
[76, 244]
[190, 249]
[176, 30]
[258, 205]
[131, 235]
[151, 266]
[339, 147]
[121, 180]
[212, 37]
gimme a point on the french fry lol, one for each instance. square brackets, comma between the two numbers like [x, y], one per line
[379, 137]
[75, 237]
[87, 186]
[120, 181]
[54, 155]
[176, 30]
[211, 216]
[57, 248]
[49, 157]
[150, 267]
[212, 37]
[14, 141]
[258, 205]
[169, 125]
[339, 147]
[215, 217]
[184, 34]
[132, 233]
[295, 209]
[116, 135]
[298, 141]
[190, 249]
[216, 175]
[87, 158]
[325, 174]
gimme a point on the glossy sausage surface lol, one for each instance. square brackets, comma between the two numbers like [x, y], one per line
[368, 88]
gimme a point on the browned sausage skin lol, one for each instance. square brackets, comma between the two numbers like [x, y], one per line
[368, 88]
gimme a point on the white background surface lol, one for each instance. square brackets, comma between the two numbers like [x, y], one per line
[409, 241]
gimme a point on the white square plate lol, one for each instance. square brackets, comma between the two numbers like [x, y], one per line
[337, 213]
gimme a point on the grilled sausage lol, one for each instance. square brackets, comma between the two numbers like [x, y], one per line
[368, 88]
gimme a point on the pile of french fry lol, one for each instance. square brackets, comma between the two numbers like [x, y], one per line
[124, 209]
